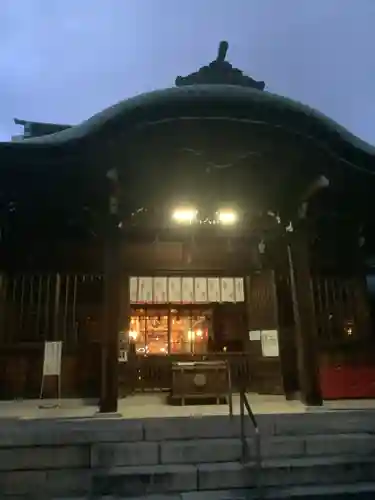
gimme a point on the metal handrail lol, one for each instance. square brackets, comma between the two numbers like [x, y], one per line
[246, 458]
[230, 390]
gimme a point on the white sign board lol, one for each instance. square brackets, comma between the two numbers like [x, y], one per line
[123, 356]
[254, 335]
[187, 289]
[52, 358]
[270, 343]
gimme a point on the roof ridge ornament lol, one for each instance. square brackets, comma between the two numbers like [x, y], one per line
[219, 72]
[222, 51]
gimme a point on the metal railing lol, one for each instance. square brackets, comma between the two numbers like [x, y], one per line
[246, 455]
[230, 390]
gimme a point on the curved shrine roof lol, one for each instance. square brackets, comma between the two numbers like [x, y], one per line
[228, 95]
[219, 86]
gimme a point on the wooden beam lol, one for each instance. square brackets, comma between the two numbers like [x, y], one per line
[304, 318]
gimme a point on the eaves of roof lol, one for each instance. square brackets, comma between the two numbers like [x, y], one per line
[136, 109]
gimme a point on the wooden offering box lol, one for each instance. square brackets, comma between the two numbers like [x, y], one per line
[201, 380]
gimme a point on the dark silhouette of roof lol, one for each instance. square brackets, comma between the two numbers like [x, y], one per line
[231, 101]
[220, 71]
[218, 91]
[39, 129]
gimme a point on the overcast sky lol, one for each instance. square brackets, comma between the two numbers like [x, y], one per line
[64, 60]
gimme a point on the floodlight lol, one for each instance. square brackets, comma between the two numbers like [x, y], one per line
[184, 215]
[227, 217]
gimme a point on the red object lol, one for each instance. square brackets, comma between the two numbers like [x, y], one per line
[347, 382]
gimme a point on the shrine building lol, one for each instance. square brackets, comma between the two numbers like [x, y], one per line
[210, 221]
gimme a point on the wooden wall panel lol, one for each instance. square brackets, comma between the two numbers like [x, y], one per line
[21, 372]
[262, 314]
[262, 301]
[215, 256]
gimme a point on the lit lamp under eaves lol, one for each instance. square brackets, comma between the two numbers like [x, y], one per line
[185, 215]
[227, 217]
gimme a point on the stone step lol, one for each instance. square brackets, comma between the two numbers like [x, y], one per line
[180, 428]
[307, 492]
[80, 431]
[194, 451]
[167, 479]
[362, 491]
[163, 455]
[228, 450]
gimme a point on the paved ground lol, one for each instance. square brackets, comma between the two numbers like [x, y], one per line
[155, 405]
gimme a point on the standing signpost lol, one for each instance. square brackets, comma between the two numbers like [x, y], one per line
[52, 366]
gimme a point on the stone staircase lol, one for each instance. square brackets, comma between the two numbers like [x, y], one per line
[188, 458]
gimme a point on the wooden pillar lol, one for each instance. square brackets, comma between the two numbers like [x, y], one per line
[125, 385]
[110, 331]
[2, 308]
[304, 318]
[124, 308]
[56, 307]
[112, 297]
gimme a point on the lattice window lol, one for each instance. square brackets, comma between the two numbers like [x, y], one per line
[52, 307]
[336, 308]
